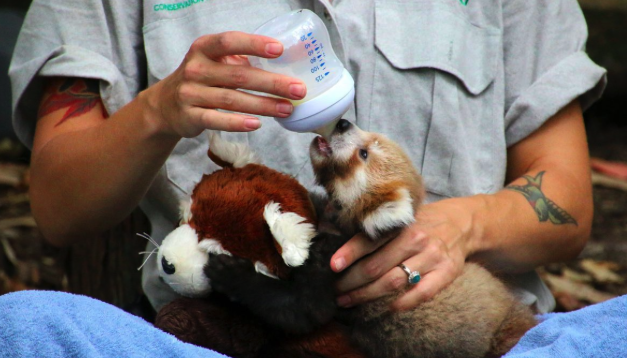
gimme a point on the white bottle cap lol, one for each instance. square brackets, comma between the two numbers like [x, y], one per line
[323, 109]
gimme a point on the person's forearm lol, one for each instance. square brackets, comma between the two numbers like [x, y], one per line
[86, 181]
[545, 213]
[545, 217]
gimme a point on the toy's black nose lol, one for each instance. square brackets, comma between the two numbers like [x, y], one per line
[168, 268]
[343, 125]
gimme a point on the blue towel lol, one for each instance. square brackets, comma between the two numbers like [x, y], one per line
[597, 331]
[56, 324]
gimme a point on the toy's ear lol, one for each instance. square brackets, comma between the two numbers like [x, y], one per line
[227, 154]
[391, 215]
[291, 232]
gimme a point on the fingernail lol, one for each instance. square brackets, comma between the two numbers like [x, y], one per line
[344, 301]
[339, 264]
[252, 123]
[297, 90]
[284, 108]
[274, 49]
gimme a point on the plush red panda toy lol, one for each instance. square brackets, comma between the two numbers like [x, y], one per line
[246, 210]
[248, 217]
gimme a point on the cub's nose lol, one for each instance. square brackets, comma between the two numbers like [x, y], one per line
[343, 125]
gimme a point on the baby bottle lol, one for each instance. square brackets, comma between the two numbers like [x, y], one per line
[308, 56]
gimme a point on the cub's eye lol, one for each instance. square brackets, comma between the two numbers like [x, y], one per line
[363, 154]
[168, 268]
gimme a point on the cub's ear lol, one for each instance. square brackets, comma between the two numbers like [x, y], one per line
[228, 154]
[389, 216]
[291, 232]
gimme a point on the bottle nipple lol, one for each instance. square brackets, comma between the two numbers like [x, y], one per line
[326, 130]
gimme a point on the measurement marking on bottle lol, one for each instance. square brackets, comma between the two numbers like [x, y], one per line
[311, 41]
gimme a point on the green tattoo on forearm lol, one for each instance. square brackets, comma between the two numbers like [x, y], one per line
[544, 207]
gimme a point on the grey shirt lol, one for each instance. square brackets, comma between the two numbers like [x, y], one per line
[456, 82]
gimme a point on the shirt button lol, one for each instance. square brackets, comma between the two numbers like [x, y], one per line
[327, 15]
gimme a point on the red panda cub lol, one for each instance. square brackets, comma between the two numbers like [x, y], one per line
[376, 190]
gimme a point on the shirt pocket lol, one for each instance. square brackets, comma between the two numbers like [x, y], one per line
[443, 69]
[167, 40]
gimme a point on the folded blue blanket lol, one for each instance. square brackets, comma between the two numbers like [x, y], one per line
[597, 331]
[56, 324]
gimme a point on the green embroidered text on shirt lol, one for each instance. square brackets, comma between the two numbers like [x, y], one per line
[176, 6]
[464, 2]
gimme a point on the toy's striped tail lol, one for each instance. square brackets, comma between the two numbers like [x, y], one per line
[228, 154]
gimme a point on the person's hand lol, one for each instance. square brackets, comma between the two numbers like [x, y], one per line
[208, 79]
[435, 245]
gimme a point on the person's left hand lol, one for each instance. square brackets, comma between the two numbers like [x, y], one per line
[436, 245]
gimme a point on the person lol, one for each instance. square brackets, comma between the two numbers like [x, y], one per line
[487, 99]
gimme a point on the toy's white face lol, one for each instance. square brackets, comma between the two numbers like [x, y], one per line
[181, 259]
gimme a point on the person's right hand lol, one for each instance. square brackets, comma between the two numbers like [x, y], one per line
[216, 66]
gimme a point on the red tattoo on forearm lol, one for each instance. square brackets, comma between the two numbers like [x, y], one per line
[79, 96]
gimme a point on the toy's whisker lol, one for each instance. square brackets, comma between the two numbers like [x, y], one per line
[146, 260]
[147, 237]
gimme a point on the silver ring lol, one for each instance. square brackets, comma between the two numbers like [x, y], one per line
[413, 277]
